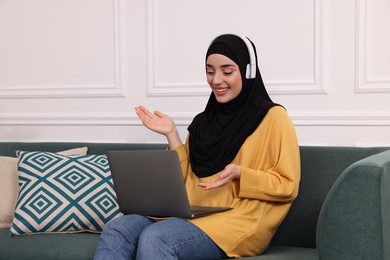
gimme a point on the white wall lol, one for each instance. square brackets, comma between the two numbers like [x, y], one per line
[75, 69]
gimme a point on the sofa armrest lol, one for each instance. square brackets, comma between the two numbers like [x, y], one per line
[354, 222]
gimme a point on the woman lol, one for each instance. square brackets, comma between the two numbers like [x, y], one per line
[241, 152]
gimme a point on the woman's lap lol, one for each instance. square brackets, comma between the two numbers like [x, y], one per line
[137, 237]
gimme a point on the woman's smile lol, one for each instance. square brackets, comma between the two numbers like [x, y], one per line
[221, 91]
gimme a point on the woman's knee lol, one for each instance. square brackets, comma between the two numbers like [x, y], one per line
[115, 224]
[151, 235]
[126, 223]
[154, 243]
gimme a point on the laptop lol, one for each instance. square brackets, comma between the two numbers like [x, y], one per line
[150, 182]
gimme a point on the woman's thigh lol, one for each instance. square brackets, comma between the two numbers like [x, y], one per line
[176, 239]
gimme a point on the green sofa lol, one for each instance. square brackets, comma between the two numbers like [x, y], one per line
[342, 210]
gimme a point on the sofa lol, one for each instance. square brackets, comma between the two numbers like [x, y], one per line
[342, 210]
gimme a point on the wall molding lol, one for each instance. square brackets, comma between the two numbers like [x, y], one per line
[76, 90]
[364, 83]
[158, 89]
[371, 144]
[333, 118]
[319, 118]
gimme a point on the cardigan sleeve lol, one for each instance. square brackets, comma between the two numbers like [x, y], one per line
[182, 151]
[274, 171]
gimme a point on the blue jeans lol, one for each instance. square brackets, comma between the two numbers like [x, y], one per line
[137, 237]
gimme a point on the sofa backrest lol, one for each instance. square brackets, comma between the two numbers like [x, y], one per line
[9, 148]
[320, 167]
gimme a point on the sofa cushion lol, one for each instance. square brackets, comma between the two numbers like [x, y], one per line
[61, 193]
[10, 188]
[287, 253]
[48, 247]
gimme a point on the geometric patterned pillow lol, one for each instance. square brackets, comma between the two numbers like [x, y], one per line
[9, 185]
[66, 194]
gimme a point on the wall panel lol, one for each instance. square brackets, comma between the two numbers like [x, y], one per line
[372, 48]
[60, 49]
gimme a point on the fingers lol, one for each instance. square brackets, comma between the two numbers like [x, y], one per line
[157, 121]
[213, 185]
[145, 116]
[159, 114]
[221, 181]
[143, 112]
[231, 172]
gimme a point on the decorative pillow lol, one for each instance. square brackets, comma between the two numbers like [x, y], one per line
[9, 187]
[65, 194]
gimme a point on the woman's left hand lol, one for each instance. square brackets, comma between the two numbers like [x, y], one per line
[230, 172]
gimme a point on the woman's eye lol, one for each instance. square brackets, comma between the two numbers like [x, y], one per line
[227, 73]
[209, 73]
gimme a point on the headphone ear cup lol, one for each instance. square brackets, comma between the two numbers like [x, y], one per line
[248, 72]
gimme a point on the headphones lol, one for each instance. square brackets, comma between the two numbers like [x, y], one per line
[251, 66]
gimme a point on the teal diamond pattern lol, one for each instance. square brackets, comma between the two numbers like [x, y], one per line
[41, 162]
[63, 193]
[74, 178]
[103, 203]
[41, 205]
[100, 162]
[72, 223]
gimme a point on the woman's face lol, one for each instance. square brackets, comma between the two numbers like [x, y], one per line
[224, 77]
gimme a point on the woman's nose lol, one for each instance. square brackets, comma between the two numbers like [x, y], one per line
[217, 79]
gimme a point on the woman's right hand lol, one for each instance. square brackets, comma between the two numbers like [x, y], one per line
[159, 123]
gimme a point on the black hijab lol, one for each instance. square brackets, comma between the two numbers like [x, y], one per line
[217, 134]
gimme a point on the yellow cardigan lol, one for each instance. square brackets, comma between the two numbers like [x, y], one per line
[270, 173]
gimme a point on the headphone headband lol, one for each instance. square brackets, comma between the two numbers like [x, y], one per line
[251, 67]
